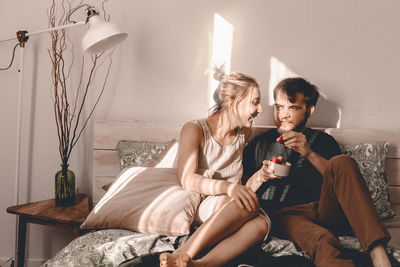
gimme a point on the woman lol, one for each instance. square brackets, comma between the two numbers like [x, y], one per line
[210, 162]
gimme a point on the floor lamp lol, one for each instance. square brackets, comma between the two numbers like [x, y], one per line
[99, 37]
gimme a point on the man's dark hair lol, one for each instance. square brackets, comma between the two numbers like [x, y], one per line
[292, 86]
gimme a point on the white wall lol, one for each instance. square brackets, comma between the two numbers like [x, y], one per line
[350, 49]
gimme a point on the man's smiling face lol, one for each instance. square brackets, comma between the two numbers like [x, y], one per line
[290, 116]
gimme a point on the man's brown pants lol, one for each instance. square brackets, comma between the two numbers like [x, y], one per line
[345, 205]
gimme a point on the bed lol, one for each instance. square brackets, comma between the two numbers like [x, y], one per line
[112, 247]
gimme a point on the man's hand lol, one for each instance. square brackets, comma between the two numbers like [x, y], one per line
[262, 175]
[265, 173]
[243, 196]
[298, 142]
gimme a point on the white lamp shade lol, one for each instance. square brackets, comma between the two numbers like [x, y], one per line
[101, 36]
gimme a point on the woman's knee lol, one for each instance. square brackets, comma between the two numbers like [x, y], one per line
[245, 213]
[263, 226]
[241, 214]
[260, 227]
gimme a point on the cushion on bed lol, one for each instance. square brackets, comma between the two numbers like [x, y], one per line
[146, 154]
[371, 159]
[149, 200]
[167, 158]
[139, 153]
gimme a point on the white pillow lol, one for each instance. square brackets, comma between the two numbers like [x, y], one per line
[149, 200]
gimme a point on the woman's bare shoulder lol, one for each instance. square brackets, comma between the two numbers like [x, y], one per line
[192, 128]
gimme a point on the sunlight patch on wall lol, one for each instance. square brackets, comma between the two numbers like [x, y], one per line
[279, 71]
[339, 118]
[222, 50]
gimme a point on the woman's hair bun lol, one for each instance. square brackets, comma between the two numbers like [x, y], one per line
[216, 97]
[219, 72]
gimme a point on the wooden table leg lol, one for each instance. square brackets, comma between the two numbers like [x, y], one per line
[75, 231]
[21, 241]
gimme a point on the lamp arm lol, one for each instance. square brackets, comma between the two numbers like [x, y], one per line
[79, 23]
[23, 36]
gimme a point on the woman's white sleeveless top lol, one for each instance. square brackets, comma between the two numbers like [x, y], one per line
[224, 162]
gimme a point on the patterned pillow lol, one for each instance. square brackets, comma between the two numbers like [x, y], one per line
[371, 158]
[139, 154]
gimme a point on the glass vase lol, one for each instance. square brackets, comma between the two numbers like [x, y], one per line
[65, 187]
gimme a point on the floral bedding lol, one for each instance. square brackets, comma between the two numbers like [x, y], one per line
[113, 246]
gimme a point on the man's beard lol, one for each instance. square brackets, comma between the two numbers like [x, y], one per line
[297, 128]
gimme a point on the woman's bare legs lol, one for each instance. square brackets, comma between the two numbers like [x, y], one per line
[248, 235]
[242, 227]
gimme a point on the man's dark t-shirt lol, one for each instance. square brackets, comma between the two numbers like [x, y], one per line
[303, 185]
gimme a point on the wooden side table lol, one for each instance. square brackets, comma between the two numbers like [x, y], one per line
[47, 213]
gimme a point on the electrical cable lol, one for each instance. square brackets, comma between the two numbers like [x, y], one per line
[75, 9]
[12, 59]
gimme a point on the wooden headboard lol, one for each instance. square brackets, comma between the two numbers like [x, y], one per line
[108, 133]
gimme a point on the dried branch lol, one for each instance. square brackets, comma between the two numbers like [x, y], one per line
[69, 100]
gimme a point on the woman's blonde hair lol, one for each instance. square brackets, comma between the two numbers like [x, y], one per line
[233, 86]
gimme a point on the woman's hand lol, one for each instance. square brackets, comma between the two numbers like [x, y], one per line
[243, 196]
[254, 182]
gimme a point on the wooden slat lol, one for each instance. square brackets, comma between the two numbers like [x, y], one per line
[105, 163]
[395, 240]
[260, 129]
[395, 195]
[354, 136]
[393, 222]
[98, 191]
[108, 133]
[393, 171]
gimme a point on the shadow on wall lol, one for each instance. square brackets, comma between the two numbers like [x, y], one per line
[327, 114]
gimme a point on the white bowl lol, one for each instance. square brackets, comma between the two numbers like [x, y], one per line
[281, 170]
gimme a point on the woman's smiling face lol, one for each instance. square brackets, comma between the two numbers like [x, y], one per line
[249, 107]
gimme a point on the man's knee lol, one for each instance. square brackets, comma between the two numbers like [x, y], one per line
[341, 163]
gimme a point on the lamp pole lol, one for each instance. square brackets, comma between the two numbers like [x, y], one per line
[22, 37]
[103, 35]
[19, 124]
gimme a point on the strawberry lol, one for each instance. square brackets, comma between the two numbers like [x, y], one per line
[280, 139]
[277, 160]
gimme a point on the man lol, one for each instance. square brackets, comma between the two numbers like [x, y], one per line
[324, 194]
